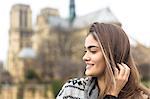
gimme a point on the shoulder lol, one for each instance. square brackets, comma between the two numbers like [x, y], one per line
[73, 88]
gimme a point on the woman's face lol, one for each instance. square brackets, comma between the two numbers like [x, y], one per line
[94, 59]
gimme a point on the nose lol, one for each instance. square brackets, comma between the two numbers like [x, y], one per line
[86, 57]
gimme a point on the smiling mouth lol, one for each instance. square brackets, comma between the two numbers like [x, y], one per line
[89, 66]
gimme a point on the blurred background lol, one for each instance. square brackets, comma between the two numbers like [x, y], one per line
[42, 41]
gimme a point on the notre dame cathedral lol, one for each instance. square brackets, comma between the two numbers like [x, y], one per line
[52, 48]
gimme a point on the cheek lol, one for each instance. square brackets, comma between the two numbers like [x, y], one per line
[100, 63]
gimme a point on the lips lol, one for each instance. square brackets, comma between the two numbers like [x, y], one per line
[89, 66]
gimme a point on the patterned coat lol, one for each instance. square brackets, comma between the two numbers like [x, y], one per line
[81, 88]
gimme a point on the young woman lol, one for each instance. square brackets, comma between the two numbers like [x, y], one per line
[110, 69]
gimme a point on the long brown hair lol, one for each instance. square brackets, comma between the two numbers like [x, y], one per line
[115, 46]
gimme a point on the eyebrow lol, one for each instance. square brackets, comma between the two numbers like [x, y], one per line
[89, 47]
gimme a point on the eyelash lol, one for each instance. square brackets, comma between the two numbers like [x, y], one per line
[91, 52]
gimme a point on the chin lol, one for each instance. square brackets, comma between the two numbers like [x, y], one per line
[92, 73]
[89, 73]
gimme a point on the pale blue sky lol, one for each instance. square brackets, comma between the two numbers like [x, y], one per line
[133, 14]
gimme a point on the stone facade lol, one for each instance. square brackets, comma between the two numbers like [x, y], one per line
[20, 33]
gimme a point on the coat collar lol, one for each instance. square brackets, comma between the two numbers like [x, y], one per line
[91, 89]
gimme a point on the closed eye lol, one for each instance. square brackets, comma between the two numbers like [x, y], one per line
[93, 52]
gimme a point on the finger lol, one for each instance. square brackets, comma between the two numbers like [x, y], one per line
[127, 70]
[126, 66]
[144, 95]
[122, 70]
[116, 72]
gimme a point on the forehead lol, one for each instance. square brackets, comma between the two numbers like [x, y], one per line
[90, 41]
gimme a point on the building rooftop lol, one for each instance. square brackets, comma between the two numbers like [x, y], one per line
[102, 15]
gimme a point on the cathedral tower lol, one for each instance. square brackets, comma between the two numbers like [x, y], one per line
[19, 36]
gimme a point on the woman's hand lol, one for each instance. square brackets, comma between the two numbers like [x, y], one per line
[121, 78]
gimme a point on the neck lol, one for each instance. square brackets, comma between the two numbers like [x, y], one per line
[101, 83]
